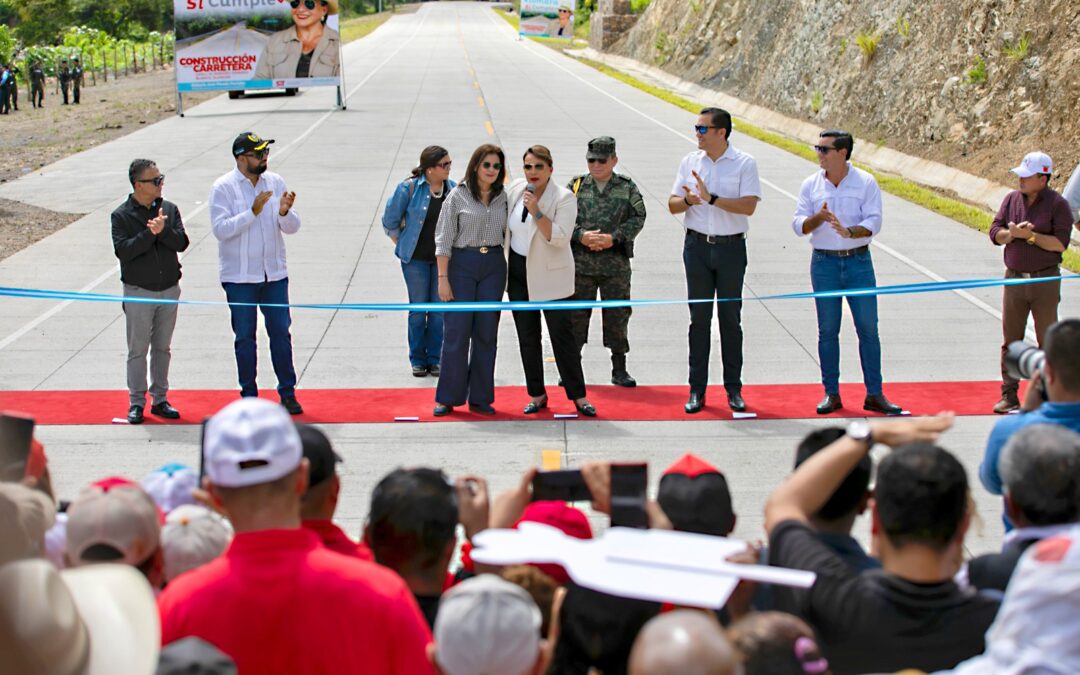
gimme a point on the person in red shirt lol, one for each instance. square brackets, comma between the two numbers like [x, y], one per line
[278, 601]
[320, 501]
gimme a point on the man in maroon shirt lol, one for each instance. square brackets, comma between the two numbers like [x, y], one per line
[278, 601]
[320, 501]
[1033, 225]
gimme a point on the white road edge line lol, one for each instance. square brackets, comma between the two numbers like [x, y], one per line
[56, 309]
[892, 252]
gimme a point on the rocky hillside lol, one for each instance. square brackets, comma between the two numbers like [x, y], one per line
[971, 83]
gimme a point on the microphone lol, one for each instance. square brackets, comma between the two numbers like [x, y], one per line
[524, 211]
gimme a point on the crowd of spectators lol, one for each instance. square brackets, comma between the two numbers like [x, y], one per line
[245, 570]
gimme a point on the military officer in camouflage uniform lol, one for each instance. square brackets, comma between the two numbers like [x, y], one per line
[611, 213]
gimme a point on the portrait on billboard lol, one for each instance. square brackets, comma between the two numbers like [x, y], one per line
[547, 18]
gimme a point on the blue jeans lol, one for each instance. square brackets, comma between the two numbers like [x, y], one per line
[830, 273]
[245, 321]
[468, 364]
[425, 328]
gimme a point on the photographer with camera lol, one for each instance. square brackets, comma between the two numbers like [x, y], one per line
[1052, 398]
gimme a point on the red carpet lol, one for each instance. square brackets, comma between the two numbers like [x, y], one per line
[644, 403]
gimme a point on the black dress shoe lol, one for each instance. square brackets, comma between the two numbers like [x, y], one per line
[585, 409]
[419, 371]
[831, 403]
[534, 407]
[135, 414]
[481, 409]
[735, 401]
[433, 370]
[881, 404]
[695, 403]
[442, 410]
[292, 405]
[621, 378]
[165, 410]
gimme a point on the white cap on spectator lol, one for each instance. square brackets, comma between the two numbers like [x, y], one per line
[487, 626]
[25, 516]
[95, 620]
[193, 536]
[249, 442]
[121, 516]
[1035, 163]
[171, 486]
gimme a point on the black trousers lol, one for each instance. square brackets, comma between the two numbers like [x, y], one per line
[715, 271]
[561, 329]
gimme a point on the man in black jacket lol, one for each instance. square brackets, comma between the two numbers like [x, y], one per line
[147, 234]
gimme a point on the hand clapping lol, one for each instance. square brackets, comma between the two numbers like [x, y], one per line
[157, 225]
[286, 203]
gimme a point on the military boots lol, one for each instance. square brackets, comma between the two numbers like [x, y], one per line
[619, 376]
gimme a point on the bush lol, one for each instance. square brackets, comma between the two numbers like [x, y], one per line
[1017, 51]
[976, 74]
[868, 44]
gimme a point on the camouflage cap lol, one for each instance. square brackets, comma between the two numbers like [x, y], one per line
[602, 147]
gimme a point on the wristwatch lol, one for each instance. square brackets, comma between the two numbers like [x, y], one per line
[712, 198]
[859, 430]
[539, 215]
[1030, 240]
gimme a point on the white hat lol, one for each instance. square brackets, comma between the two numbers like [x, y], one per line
[566, 4]
[193, 536]
[25, 516]
[94, 620]
[121, 516]
[1034, 163]
[249, 442]
[171, 485]
[487, 626]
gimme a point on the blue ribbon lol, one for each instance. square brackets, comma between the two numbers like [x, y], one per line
[899, 289]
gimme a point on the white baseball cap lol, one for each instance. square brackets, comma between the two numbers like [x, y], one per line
[1035, 163]
[171, 486]
[193, 536]
[487, 626]
[249, 442]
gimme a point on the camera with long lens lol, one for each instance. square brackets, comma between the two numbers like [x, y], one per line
[1022, 360]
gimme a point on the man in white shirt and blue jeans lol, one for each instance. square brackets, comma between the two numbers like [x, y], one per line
[717, 189]
[250, 208]
[840, 208]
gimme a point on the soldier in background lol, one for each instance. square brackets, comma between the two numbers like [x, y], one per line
[611, 213]
[37, 85]
[64, 76]
[76, 78]
[13, 92]
[5, 88]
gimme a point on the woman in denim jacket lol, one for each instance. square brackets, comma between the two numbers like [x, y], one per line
[409, 220]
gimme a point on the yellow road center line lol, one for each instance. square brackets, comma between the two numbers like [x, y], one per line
[490, 129]
[480, 100]
[551, 460]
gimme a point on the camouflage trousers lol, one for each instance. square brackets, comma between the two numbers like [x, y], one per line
[616, 319]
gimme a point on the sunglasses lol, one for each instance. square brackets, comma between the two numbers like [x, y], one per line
[564, 11]
[490, 165]
[310, 4]
[597, 160]
[823, 149]
[702, 130]
[444, 165]
[156, 180]
[258, 154]
[538, 167]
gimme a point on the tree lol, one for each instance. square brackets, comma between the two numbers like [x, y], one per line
[124, 18]
[7, 44]
[42, 21]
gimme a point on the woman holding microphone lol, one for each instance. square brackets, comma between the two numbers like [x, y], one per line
[541, 268]
[409, 220]
[472, 268]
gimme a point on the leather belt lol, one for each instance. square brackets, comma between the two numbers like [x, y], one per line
[844, 253]
[715, 238]
[1037, 274]
[480, 249]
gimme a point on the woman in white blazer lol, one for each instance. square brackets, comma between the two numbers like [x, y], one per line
[541, 268]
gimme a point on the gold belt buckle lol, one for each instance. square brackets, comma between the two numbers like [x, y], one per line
[483, 249]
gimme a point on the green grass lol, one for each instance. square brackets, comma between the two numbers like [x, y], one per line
[1017, 51]
[974, 217]
[976, 74]
[868, 44]
[360, 26]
